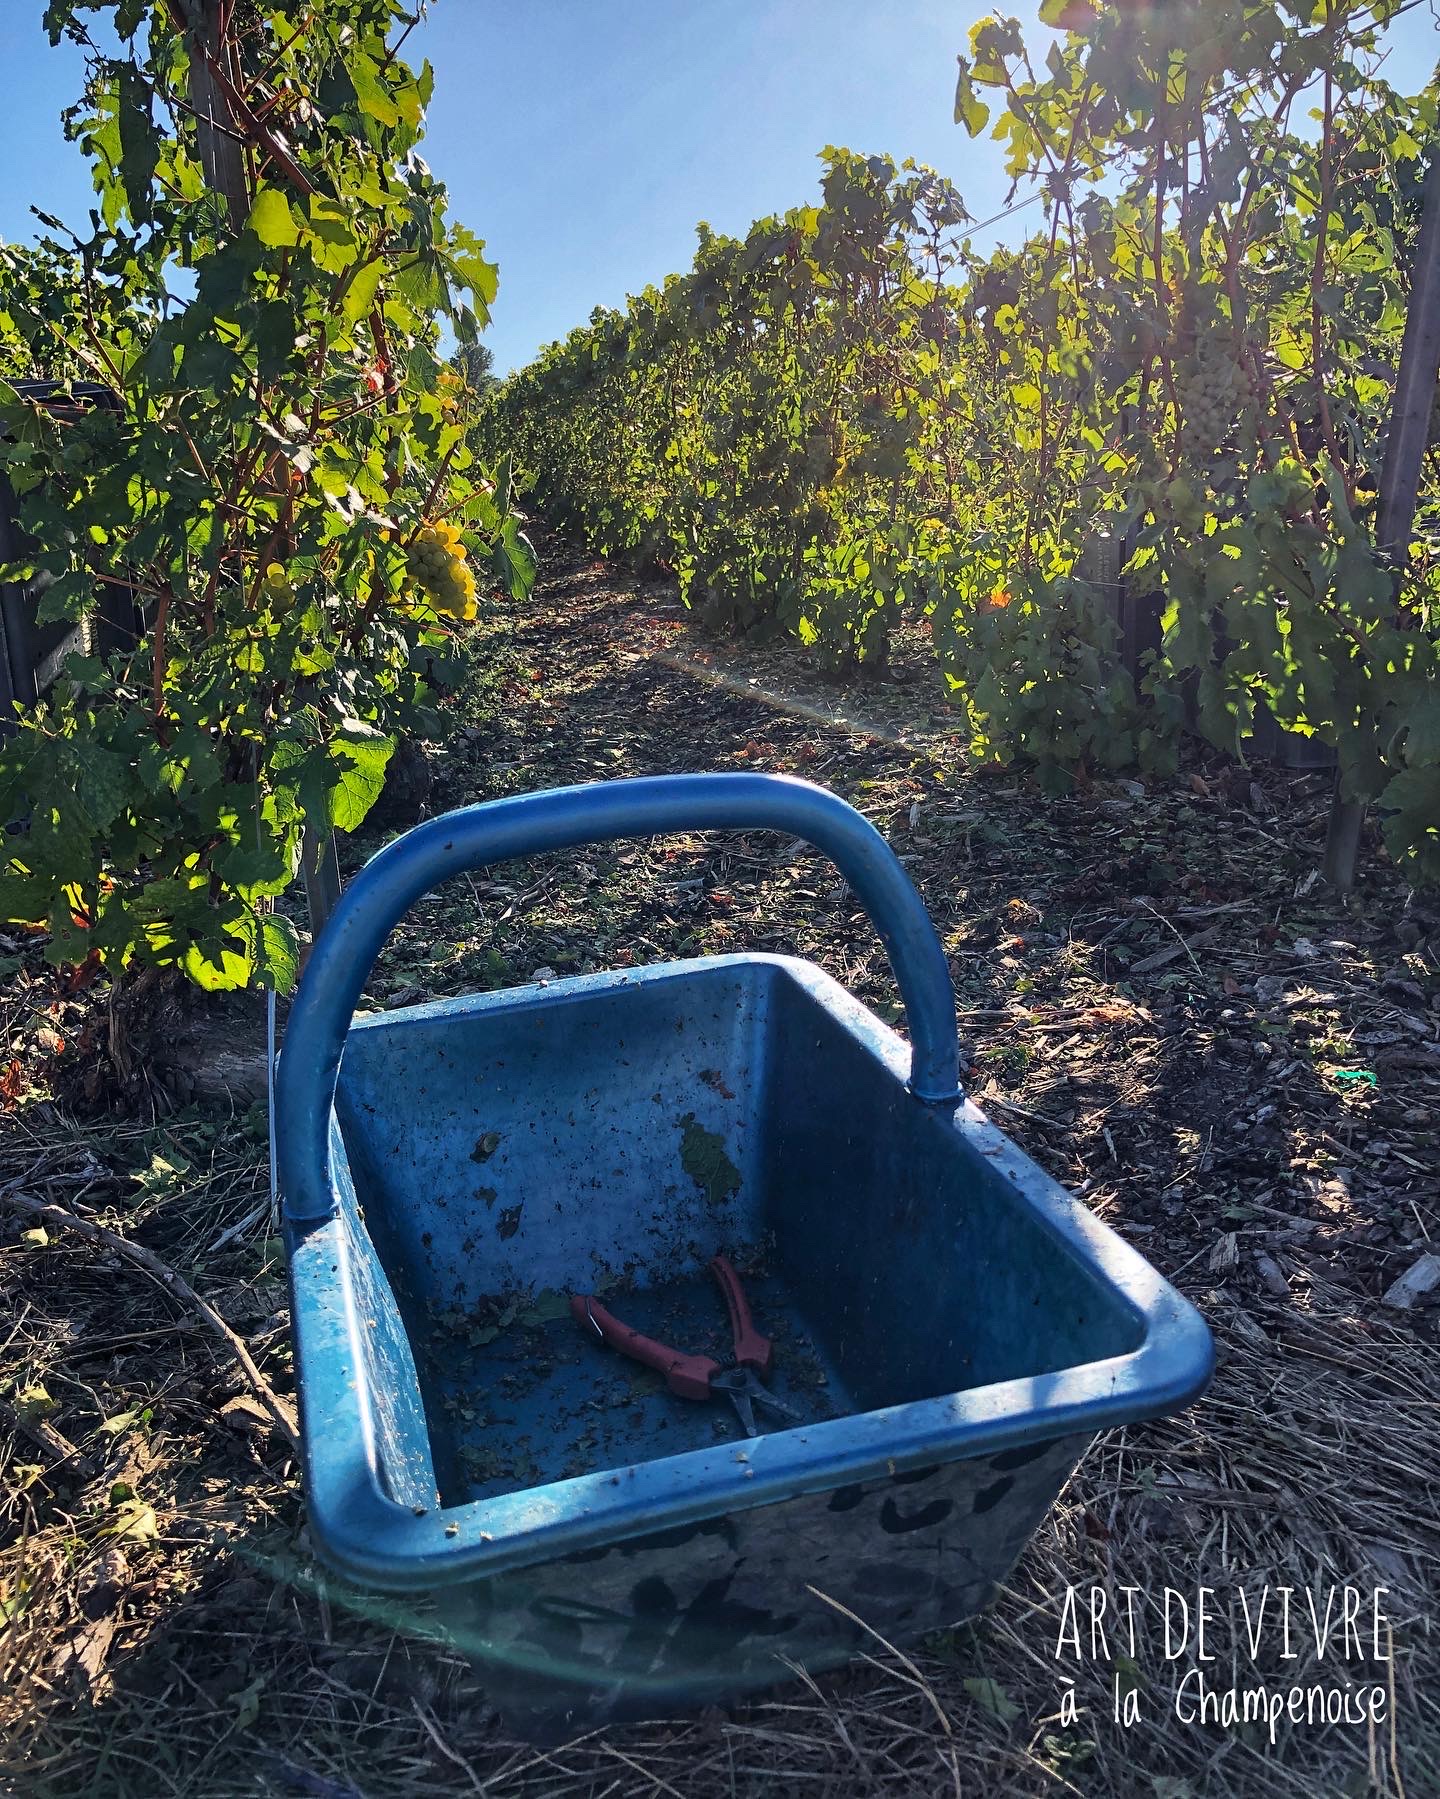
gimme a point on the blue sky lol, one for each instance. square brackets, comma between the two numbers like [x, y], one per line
[583, 139]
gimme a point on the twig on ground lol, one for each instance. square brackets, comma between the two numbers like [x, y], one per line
[44, 1436]
[173, 1283]
[658, 1781]
[1154, 960]
[451, 1755]
[1008, 1105]
[239, 1230]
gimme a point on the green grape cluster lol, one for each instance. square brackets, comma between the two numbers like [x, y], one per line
[437, 563]
[1211, 390]
[277, 587]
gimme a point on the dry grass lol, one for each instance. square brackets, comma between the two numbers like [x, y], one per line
[167, 1632]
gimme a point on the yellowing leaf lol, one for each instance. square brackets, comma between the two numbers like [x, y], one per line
[360, 295]
[134, 1519]
[370, 91]
[271, 220]
[970, 110]
[230, 971]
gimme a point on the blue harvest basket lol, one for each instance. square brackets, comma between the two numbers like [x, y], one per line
[951, 1326]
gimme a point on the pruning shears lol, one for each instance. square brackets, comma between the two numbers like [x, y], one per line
[696, 1376]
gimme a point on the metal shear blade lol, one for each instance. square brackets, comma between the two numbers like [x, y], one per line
[745, 1392]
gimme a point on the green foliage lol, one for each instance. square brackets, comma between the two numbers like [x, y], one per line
[1233, 196]
[753, 424]
[284, 437]
[853, 410]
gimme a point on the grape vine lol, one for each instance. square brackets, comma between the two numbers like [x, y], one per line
[286, 489]
[853, 410]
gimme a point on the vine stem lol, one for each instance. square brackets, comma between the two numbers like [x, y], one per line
[1060, 172]
[275, 61]
[437, 483]
[162, 614]
[1162, 302]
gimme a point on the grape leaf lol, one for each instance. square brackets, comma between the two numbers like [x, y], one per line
[271, 220]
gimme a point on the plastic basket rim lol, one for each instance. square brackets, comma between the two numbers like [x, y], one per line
[370, 1538]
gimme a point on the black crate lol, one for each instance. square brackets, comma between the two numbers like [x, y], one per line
[1291, 749]
[32, 655]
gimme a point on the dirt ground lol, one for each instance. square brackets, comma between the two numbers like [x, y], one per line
[1158, 1000]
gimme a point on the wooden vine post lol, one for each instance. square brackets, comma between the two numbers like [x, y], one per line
[1399, 476]
[222, 148]
[220, 142]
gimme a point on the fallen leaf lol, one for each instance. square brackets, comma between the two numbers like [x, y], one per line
[247, 1703]
[34, 1403]
[1273, 1276]
[992, 1697]
[135, 1519]
[246, 1415]
[546, 1307]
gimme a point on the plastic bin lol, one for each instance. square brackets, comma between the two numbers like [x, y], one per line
[951, 1325]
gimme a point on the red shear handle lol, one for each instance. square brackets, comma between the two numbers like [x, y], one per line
[751, 1349]
[688, 1376]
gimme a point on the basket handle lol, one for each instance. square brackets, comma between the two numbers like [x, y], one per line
[532, 823]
